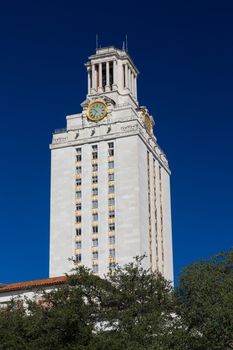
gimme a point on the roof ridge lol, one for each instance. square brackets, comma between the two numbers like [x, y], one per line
[34, 283]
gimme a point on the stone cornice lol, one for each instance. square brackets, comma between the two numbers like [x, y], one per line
[126, 128]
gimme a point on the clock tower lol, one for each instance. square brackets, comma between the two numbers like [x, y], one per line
[110, 180]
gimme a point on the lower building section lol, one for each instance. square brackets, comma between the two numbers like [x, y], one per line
[110, 202]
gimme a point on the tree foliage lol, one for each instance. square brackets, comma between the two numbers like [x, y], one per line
[131, 309]
[205, 302]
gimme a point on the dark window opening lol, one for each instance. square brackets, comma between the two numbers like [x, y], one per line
[111, 74]
[97, 75]
[104, 78]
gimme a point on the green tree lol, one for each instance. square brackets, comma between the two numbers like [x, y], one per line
[137, 314]
[205, 303]
[131, 309]
[13, 322]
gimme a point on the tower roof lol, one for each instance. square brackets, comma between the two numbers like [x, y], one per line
[109, 51]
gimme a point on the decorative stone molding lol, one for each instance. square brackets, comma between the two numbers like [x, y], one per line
[60, 140]
[129, 128]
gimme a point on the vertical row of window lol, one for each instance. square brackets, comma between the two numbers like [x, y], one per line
[111, 207]
[161, 216]
[95, 218]
[78, 203]
[156, 218]
[95, 207]
[149, 208]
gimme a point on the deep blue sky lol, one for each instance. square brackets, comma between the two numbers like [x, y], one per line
[184, 51]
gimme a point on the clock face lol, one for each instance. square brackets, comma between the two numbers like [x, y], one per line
[96, 111]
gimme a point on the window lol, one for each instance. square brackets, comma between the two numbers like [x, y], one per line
[94, 229]
[94, 191]
[78, 182]
[78, 150]
[112, 252]
[95, 255]
[94, 147]
[4, 304]
[78, 218]
[94, 155]
[94, 167]
[78, 206]
[95, 216]
[78, 158]
[94, 179]
[78, 170]
[111, 177]
[78, 244]
[111, 189]
[111, 201]
[95, 268]
[111, 149]
[111, 152]
[110, 165]
[78, 257]
[95, 204]
[95, 242]
[78, 194]
[111, 214]
[112, 240]
[78, 232]
[112, 227]
[112, 266]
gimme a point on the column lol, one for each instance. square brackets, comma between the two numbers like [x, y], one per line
[132, 82]
[135, 87]
[126, 76]
[100, 89]
[129, 78]
[89, 80]
[115, 77]
[107, 87]
[93, 88]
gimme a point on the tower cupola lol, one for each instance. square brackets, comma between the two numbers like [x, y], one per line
[111, 72]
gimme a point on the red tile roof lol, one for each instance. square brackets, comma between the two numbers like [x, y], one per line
[33, 284]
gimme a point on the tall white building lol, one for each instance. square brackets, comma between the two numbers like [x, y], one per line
[110, 181]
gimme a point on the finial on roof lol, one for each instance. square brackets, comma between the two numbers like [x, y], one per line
[126, 43]
[96, 42]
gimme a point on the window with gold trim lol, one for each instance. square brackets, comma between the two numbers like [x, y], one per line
[95, 242]
[78, 170]
[78, 244]
[94, 167]
[79, 182]
[95, 268]
[111, 214]
[78, 258]
[78, 206]
[78, 231]
[95, 229]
